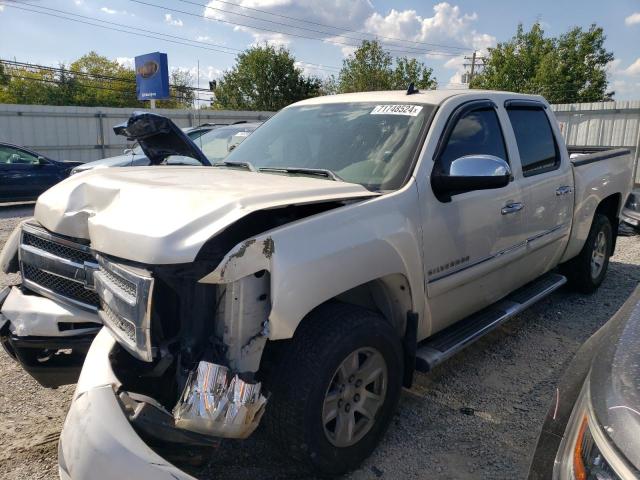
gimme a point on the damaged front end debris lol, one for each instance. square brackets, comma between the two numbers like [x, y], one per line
[215, 403]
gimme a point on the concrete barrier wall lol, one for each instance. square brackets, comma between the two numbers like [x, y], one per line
[86, 133]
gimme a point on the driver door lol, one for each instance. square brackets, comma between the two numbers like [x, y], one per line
[471, 239]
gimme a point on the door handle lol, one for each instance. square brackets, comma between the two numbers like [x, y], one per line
[563, 190]
[512, 208]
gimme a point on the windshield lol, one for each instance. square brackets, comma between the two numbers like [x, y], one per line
[367, 143]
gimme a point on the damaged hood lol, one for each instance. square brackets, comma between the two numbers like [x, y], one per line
[164, 215]
[159, 138]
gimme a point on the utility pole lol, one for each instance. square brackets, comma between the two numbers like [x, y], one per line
[473, 59]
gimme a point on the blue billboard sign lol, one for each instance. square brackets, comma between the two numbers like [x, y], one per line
[152, 76]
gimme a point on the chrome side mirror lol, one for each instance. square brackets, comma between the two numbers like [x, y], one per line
[471, 172]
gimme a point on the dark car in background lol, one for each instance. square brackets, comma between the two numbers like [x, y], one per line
[25, 174]
[592, 429]
[201, 135]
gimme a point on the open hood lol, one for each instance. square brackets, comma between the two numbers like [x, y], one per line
[165, 215]
[159, 138]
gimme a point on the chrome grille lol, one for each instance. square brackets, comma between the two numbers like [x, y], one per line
[60, 285]
[128, 328]
[57, 267]
[57, 249]
[121, 283]
[125, 305]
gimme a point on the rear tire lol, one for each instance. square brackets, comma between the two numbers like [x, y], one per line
[586, 272]
[342, 361]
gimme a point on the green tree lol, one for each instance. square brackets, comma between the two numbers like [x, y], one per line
[264, 78]
[570, 68]
[368, 68]
[180, 89]
[410, 70]
[4, 78]
[371, 67]
[109, 83]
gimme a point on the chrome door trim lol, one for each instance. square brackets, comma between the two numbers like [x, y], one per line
[501, 253]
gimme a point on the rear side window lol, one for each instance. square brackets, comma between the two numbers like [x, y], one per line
[476, 133]
[536, 143]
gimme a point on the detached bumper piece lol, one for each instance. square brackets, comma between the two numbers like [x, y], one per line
[214, 403]
[51, 361]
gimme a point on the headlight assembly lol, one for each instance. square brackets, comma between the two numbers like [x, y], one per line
[585, 452]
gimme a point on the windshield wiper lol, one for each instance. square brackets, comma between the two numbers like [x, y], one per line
[322, 172]
[246, 165]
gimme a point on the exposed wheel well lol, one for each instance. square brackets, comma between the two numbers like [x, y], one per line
[610, 207]
[390, 296]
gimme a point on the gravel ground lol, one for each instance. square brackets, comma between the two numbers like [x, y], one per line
[507, 379]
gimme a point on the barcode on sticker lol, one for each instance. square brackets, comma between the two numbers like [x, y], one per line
[410, 110]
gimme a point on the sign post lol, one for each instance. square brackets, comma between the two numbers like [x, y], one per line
[152, 77]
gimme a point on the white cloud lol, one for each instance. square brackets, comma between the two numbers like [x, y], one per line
[338, 13]
[441, 36]
[1, 8]
[176, 22]
[409, 33]
[632, 19]
[633, 69]
[78, 2]
[127, 62]
[111, 11]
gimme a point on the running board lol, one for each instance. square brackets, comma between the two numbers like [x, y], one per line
[451, 340]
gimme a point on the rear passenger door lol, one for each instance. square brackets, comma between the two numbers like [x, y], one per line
[547, 182]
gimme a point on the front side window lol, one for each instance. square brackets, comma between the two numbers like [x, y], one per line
[536, 143]
[13, 156]
[477, 132]
[370, 143]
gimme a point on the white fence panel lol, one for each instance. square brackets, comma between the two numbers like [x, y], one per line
[86, 133]
[604, 124]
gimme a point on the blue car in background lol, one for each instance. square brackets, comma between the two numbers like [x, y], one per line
[25, 174]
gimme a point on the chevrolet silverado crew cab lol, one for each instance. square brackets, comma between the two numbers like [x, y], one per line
[349, 241]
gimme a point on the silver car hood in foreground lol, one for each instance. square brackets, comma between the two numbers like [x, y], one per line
[163, 215]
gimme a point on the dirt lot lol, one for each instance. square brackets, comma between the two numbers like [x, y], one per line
[506, 378]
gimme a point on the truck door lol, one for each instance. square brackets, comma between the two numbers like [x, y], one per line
[471, 239]
[547, 181]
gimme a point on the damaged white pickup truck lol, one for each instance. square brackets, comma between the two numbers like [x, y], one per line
[349, 241]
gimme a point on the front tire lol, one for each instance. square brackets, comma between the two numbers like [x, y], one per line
[336, 388]
[586, 272]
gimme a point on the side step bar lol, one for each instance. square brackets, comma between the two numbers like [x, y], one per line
[451, 340]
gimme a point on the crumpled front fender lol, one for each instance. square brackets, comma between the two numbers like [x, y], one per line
[317, 258]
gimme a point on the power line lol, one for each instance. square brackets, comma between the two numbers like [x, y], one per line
[150, 34]
[325, 25]
[95, 87]
[13, 63]
[414, 50]
[183, 12]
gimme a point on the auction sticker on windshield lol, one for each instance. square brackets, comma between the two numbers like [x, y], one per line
[410, 110]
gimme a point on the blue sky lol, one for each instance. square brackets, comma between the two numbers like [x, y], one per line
[440, 34]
